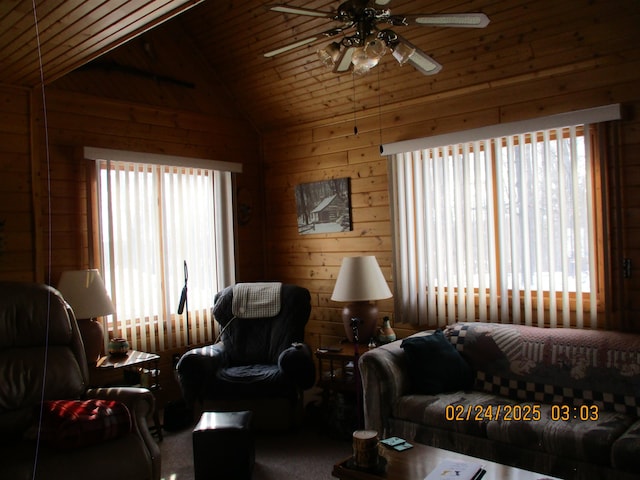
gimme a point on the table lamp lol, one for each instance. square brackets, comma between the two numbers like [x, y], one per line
[360, 282]
[84, 290]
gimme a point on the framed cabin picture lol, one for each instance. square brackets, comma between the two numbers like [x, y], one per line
[324, 207]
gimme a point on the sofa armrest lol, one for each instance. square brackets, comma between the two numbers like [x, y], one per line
[384, 375]
[296, 363]
[626, 448]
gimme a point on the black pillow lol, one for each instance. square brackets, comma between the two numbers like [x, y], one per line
[435, 365]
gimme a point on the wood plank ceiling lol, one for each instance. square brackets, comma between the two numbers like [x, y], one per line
[295, 88]
[524, 38]
[71, 33]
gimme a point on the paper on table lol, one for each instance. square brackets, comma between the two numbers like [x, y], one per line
[458, 469]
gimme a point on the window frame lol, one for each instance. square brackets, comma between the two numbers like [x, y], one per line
[158, 331]
[597, 179]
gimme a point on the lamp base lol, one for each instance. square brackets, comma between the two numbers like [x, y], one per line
[93, 338]
[367, 313]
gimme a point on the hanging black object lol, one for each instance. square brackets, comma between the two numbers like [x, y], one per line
[183, 299]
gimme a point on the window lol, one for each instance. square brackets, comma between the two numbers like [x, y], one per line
[154, 220]
[501, 228]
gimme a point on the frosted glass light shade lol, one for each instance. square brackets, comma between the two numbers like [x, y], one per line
[375, 48]
[329, 55]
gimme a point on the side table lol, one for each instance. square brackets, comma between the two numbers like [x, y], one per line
[141, 369]
[338, 376]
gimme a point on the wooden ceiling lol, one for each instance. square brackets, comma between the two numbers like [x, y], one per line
[229, 37]
[71, 33]
[294, 87]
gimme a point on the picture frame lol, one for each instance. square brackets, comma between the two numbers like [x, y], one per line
[324, 206]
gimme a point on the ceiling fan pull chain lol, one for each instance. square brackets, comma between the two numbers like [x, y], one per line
[379, 113]
[355, 123]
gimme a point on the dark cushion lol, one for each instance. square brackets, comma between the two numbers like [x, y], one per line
[435, 365]
[78, 423]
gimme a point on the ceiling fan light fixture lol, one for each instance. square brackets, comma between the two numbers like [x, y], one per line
[361, 69]
[402, 53]
[362, 49]
[329, 55]
[362, 63]
[375, 48]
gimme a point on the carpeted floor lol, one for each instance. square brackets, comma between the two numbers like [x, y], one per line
[303, 455]
[306, 454]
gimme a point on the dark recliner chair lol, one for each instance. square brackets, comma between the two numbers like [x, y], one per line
[259, 364]
[42, 358]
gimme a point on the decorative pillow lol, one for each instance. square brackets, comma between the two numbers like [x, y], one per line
[435, 365]
[79, 423]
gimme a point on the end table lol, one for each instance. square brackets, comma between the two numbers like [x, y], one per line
[139, 368]
[338, 374]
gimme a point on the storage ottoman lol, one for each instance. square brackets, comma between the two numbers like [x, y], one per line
[223, 446]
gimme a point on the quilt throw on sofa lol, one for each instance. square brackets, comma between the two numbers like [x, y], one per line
[558, 401]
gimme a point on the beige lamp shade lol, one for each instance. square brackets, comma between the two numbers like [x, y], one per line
[360, 279]
[359, 282]
[84, 290]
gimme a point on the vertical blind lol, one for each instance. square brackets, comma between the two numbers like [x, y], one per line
[500, 229]
[153, 219]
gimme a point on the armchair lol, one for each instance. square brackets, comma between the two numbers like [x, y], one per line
[42, 359]
[260, 363]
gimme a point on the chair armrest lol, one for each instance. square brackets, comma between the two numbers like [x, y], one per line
[385, 378]
[140, 401]
[196, 368]
[297, 365]
[141, 404]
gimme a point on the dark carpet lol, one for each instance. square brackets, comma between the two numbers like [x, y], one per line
[306, 454]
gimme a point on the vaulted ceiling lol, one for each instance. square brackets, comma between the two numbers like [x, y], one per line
[63, 35]
[228, 38]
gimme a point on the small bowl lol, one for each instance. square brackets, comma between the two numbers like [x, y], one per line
[118, 347]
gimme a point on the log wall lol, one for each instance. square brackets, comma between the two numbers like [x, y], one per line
[330, 149]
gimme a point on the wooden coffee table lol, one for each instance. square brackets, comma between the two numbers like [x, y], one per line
[417, 462]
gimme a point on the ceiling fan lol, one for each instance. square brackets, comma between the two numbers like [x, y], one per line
[366, 38]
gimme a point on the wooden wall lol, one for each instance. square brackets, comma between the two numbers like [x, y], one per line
[76, 120]
[588, 60]
[43, 190]
[16, 202]
[330, 149]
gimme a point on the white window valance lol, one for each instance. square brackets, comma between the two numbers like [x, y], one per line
[93, 153]
[576, 117]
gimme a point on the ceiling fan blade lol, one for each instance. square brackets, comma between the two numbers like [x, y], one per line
[465, 20]
[305, 41]
[417, 58]
[291, 46]
[343, 64]
[424, 63]
[282, 8]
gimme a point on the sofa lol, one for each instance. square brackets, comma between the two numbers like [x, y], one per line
[52, 426]
[563, 402]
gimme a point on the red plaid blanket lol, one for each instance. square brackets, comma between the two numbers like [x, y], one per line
[78, 423]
